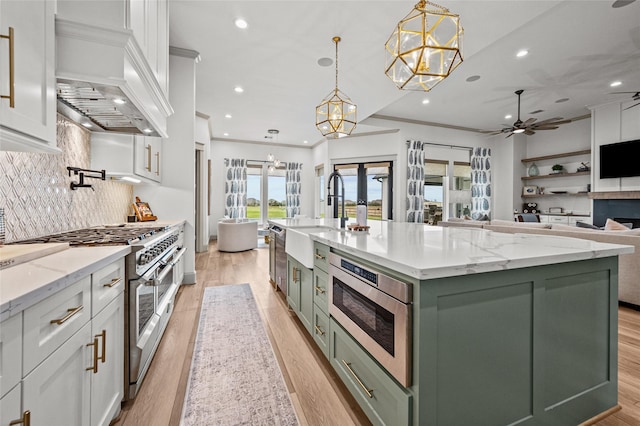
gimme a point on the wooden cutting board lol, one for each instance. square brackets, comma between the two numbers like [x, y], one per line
[15, 254]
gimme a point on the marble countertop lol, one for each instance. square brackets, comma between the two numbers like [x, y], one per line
[427, 252]
[26, 284]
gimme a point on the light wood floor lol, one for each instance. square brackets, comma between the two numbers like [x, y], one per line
[318, 395]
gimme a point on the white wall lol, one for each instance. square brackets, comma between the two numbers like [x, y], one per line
[610, 124]
[256, 151]
[175, 198]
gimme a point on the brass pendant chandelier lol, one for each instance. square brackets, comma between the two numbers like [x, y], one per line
[336, 115]
[424, 48]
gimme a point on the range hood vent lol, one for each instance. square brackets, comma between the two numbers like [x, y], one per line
[99, 68]
[101, 108]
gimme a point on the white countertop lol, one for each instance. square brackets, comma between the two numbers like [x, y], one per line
[426, 252]
[26, 284]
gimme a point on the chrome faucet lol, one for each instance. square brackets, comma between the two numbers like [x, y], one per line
[343, 219]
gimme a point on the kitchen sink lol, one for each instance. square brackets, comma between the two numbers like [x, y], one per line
[299, 245]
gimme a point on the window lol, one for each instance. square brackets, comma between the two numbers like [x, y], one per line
[254, 190]
[276, 193]
[460, 194]
[370, 183]
[264, 184]
[435, 172]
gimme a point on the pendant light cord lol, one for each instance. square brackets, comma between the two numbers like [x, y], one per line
[336, 39]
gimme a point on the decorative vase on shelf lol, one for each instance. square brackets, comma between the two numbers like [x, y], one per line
[533, 170]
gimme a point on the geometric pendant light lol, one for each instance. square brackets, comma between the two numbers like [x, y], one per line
[336, 115]
[424, 48]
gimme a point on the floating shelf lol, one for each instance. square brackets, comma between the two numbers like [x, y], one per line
[550, 157]
[615, 195]
[556, 175]
[567, 194]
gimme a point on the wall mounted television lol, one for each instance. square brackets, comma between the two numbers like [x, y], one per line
[620, 159]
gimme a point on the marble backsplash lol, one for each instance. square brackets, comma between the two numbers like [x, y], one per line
[36, 196]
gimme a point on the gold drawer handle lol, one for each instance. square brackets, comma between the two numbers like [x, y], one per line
[355, 376]
[113, 282]
[157, 164]
[295, 275]
[25, 420]
[94, 367]
[11, 96]
[319, 256]
[71, 312]
[319, 330]
[320, 290]
[148, 166]
[103, 335]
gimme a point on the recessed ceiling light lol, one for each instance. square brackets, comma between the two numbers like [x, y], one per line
[227, 116]
[119, 101]
[616, 84]
[225, 134]
[473, 78]
[621, 3]
[325, 62]
[241, 23]
[559, 101]
[238, 89]
[522, 53]
[425, 101]
[146, 130]
[508, 116]
[305, 141]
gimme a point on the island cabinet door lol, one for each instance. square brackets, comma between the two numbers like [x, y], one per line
[293, 284]
[306, 297]
[57, 392]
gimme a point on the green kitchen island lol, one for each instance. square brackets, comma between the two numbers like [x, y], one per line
[505, 328]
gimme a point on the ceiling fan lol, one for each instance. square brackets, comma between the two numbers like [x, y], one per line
[635, 97]
[530, 126]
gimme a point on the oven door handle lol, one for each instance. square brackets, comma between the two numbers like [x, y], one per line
[168, 267]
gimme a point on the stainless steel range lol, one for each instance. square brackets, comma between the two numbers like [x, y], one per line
[152, 274]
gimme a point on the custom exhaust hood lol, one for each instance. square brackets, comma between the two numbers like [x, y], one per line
[105, 83]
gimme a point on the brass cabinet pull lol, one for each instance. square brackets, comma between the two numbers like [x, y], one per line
[295, 275]
[113, 282]
[320, 290]
[71, 312]
[103, 335]
[25, 420]
[157, 164]
[319, 256]
[148, 166]
[94, 368]
[355, 376]
[319, 330]
[12, 95]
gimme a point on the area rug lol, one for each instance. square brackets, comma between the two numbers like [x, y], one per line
[234, 378]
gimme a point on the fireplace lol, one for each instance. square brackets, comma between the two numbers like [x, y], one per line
[623, 211]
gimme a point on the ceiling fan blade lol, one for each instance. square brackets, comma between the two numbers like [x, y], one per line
[529, 121]
[616, 93]
[545, 128]
[634, 105]
[529, 132]
[509, 135]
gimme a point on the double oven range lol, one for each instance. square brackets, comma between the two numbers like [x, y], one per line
[153, 271]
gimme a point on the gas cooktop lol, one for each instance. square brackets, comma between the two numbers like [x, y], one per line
[98, 236]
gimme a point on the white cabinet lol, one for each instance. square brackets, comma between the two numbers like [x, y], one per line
[147, 158]
[123, 155]
[28, 119]
[107, 386]
[71, 354]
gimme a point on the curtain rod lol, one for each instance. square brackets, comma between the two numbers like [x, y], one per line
[466, 148]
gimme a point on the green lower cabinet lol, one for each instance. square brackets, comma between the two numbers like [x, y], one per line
[300, 291]
[380, 397]
[321, 330]
[321, 290]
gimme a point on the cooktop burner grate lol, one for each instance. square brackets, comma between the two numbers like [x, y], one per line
[96, 236]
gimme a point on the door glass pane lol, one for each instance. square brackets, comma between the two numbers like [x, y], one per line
[435, 171]
[276, 193]
[377, 190]
[349, 173]
[254, 184]
[460, 194]
[320, 188]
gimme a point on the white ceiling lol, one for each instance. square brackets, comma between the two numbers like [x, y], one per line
[577, 48]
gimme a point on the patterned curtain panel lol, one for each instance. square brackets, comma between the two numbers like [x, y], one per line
[293, 187]
[415, 182]
[235, 188]
[481, 184]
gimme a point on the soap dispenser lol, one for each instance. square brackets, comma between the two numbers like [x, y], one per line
[361, 213]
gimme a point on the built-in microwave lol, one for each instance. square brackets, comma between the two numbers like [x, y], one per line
[376, 310]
